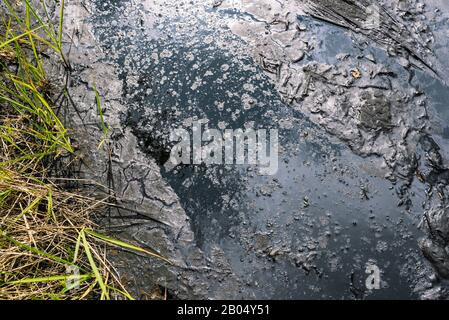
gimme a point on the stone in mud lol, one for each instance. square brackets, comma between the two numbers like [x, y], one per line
[438, 223]
[437, 255]
[375, 112]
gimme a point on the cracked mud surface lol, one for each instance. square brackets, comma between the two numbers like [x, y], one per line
[361, 117]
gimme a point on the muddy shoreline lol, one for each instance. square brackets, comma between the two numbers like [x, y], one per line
[362, 142]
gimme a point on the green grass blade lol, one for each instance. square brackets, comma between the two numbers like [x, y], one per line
[61, 23]
[25, 34]
[100, 112]
[124, 245]
[94, 267]
[81, 277]
[36, 251]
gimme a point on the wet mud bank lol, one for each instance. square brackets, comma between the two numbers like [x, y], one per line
[361, 113]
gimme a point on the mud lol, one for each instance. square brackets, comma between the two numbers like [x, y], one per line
[364, 100]
[362, 176]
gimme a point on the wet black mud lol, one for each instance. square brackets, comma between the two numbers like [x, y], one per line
[361, 114]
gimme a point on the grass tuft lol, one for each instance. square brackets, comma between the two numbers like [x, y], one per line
[48, 249]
